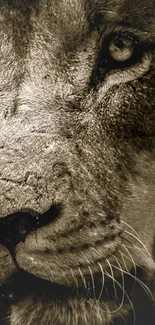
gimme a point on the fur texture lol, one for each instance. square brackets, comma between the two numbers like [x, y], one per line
[77, 133]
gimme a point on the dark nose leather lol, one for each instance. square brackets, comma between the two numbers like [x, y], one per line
[15, 228]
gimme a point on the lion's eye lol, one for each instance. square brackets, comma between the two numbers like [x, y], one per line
[121, 49]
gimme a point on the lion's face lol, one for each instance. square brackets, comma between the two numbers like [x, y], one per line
[77, 162]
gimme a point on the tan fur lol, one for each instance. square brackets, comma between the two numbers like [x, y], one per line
[77, 132]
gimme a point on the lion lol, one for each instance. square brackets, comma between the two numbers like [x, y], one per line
[77, 162]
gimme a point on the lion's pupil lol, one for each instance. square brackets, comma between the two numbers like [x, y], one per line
[119, 43]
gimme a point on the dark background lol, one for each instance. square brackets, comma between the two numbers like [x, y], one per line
[144, 308]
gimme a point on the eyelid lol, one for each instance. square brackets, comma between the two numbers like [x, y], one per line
[137, 37]
[126, 35]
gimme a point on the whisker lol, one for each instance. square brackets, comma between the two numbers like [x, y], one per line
[124, 294]
[123, 281]
[144, 270]
[83, 279]
[132, 235]
[123, 318]
[136, 236]
[130, 258]
[112, 273]
[125, 223]
[139, 249]
[93, 283]
[144, 286]
[129, 272]
[102, 287]
[65, 277]
[134, 264]
[122, 287]
[75, 280]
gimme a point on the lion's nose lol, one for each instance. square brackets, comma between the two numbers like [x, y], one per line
[15, 228]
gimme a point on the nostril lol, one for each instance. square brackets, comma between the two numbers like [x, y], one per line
[48, 217]
[16, 227]
[24, 225]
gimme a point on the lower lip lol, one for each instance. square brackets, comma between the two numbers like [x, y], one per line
[24, 284]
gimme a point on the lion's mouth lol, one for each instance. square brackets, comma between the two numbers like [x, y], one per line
[22, 285]
[74, 251]
[29, 281]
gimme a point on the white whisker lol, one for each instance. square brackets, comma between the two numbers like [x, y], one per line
[93, 284]
[132, 235]
[102, 287]
[65, 277]
[83, 279]
[74, 279]
[124, 293]
[131, 259]
[125, 223]
[139, 249]
[112, 273]
[144, 286]
[136, 236]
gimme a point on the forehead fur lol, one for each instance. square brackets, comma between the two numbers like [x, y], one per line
[138, 14]
[70, 11]
[68, 19]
